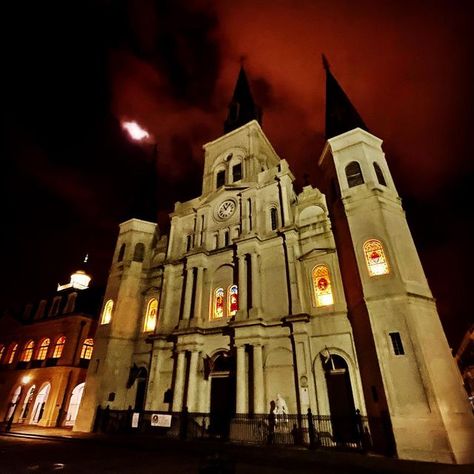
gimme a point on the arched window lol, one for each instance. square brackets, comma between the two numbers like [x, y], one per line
[121, 253]
[87, 348]
[139, 252]
[151, 315]
[2, 350]
[220, 178]
[274, 218]
[375, 258]
[233, 299]
[12, 353]
[107, 313]
[27, 352]
[58, 347]
[322, 286]
[218, 303]
[380, 176]
[236, 172]
[43, 349]
[354, 174]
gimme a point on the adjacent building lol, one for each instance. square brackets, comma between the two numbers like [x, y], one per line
[44, 354]
[263, 295]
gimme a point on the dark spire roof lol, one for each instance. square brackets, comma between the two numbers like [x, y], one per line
[341, 115]
[242, 108]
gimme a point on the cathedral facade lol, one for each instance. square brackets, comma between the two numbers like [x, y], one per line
[261, 294]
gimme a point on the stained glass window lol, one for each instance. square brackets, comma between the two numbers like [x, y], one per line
[375, 258]
[150, 315]
[107, 313]
[13, 349]
[322, 286]
[219, 303]
[43, 349]
[233, 299]
[27, 351]
[58, 347]
[87, 348]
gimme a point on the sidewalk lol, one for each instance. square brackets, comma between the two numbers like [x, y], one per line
[295, 457]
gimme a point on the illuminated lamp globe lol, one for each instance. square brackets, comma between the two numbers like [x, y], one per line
[26, 379]
[80, 280]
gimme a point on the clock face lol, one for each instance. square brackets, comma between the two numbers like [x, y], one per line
[226, 209]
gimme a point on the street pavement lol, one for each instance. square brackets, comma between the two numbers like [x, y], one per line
[39, 450]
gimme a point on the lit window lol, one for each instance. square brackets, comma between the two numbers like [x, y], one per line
[43, 349]
[233, 299]
[397, 344]
[322, 286]
[380, 176]
[27, 353]
[11, 356]
[274, 218]
[220, 179]
[2, 350]
[219, 303]
[87, 348]
[375, 258]
[58, 347]
[107, 313]
[354, 174]
[150, 315]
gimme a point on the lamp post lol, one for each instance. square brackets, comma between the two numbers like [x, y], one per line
[25, 380]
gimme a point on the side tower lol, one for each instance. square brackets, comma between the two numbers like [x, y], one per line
[119, 325]
[410, 380]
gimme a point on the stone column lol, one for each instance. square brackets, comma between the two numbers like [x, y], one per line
[258, 381]
[188, 295]
[241, 385]
[192, 383]
[256, 297]
[179, 382]
[292, 262]
[198, 296]
[242, 285]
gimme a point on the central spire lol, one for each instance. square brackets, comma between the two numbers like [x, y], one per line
[242, 108]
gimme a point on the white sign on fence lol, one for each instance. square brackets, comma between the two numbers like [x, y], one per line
[135, 418]
[158, 419]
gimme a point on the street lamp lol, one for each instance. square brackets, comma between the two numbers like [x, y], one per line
[25, 380]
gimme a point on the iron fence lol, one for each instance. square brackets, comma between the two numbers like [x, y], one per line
[351, 432]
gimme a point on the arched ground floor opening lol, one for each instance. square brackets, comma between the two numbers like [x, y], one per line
[74, 404]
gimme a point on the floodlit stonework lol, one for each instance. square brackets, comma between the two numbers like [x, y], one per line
[270, 295]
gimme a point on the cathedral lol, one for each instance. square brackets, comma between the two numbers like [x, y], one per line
[261, 294]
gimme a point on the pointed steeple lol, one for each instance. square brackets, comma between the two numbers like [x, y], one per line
[341, 115]
[242, 108]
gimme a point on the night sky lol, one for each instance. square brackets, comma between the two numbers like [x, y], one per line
[72, 70]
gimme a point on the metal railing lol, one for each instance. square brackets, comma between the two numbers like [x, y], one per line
[350, 432]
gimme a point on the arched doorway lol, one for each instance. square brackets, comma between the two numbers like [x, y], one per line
[40, 402]
[27, 404]
[222, 394]
[341, 400]
[13, 403]
[140, 394]
[74, 403]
